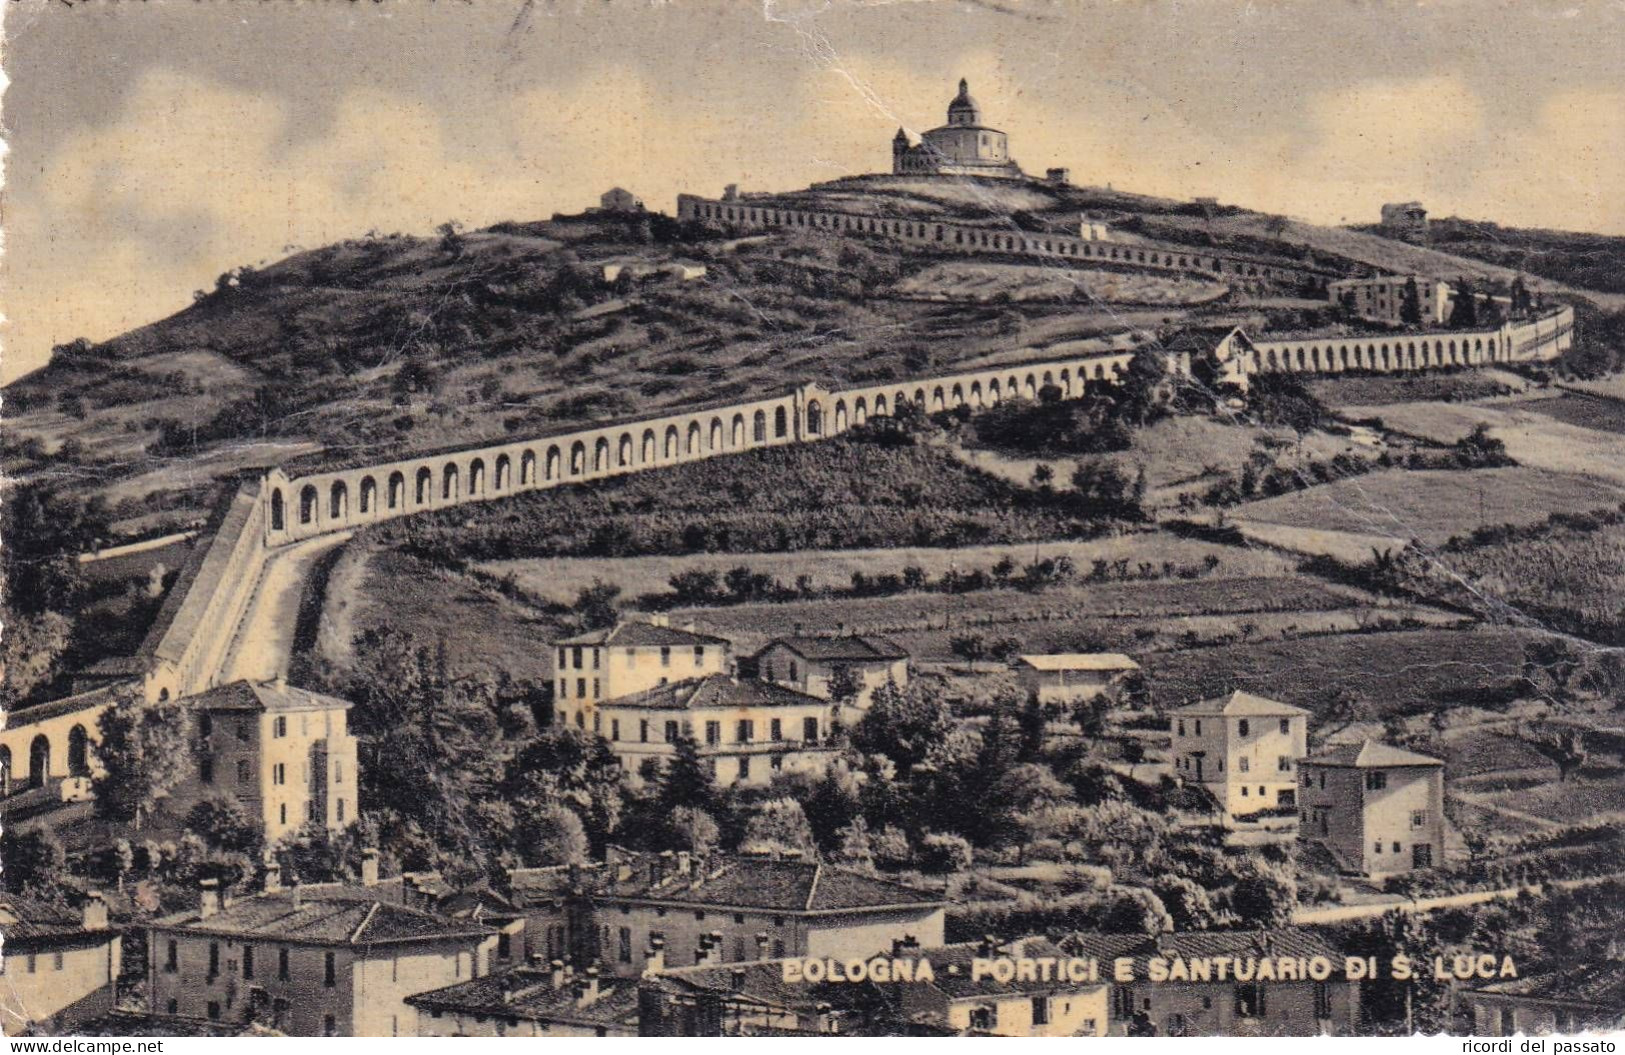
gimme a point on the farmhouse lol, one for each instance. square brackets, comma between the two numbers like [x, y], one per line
[811, 664]
[643, 911]
[619, 199]
[746, 731]
[337, 961]
[628, 658]
[60, 965]
[1379, 809]
[1244, 750]
[1065, 677]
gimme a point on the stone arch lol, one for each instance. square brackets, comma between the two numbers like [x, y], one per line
[527, 468]
[39, 761]
[717, 434]
[938, 402]
[673, 441]
[425, 486]
[503, 471]
[624, 454]
[476, 477]
[737, 431]
[976, 393]
[993, 391]
[5, 770]
[307, 504]
[1100, 372]
[758, 427]
[78, 752]
[578, 458]
[651, 448]
[1066, 382]
[898, 401]
[815, 418]
[781, 423]
[880, 405]
[692, 447]
[956, 395]
[368, 495]
[1031, 389]
[1012, 387]
[277, 514]
[840, 415]
[338, 501]
[397, 489]
[860, 411]
[919, 399]
[451, 483]
[555, 462]
[600, 455]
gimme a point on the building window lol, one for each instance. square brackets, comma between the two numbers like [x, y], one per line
[699, 655]
[248, 961]
[1323, 1000]
[282, 812]
[282, 965]
[778, 948]
[744, 768]
[340, 811]
[1198, 727]
[596, 691]
[775, 729]
[1245, 791]
[1244, 727]
[595, 659]
[581, 688]
[206, 770]
[671, 732]
[1376, 781]
[171, 958]
[575, 657]
[746, 730]
[1283, 764]
[1396, 847]
[1182, 727]
[33, 962]
[330, 970]
[1419, 818]
[279, 773]
[809, 730]
[214, 958]
[626, 945]
[279, 727]
[713, 732]
[174, 1007]
[329, 1026]
[614, 728]
[1376, 847]
[793, 674]
[214, 1009]
[1250, 1001]
[665, 655]
[643, 730]
[1040, 1010]
[981, 1018]
[1246, 764]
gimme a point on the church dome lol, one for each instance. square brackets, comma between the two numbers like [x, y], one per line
[963, 110]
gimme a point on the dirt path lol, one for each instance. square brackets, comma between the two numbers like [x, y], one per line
[263, 644]
[335, 635]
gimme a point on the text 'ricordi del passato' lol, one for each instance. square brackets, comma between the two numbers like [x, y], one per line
[1157, 969]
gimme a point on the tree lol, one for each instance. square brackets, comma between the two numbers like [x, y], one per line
[553, 835]
[694, 830]
[686, 780]
[972, 648]
[1521, 301]
[224, 824]
[1188, 904]
[1264, 896]
[904, 725]
[1043, 476]
[145, 750]
[451, 238]
[597, 606]
[1478, 449]
[35, 860]
[1033, 723]
[779, 825]
[1464, 310]
[1134, 910]
[856, 849]
[845, 685]
[1564, 746]
[1142, 392]
[1410, 310]
[943, 854]
[1102, 489]
[891, 848]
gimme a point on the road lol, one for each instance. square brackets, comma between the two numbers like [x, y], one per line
[1342, 913]
[263, 644]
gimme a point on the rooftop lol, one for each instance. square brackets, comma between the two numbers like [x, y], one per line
[637, 634]
[714, 692]
[1080, 661]
[1243, 705]
[327, 918]
[849, 647]
[1600, 983]
[265, 696]
[30, 922]
[529, 992]
[1197, 945]
[1369, 754]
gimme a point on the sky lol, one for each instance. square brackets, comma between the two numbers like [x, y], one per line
[153, 146]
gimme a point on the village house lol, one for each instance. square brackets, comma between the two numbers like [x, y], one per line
[630, 657]
[1588, 997]
[957, 1000]
[746, 731]
[284, 753]
[326, 961]
[1244, 750]
[1378, 809]
[689, 910]
[815, 665]
[1067, 677]
[60, 966]
[619, 199]
[535, 999]
[1382, 299]
[1192, 1000]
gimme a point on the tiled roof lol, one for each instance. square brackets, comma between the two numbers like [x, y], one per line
[635, 634]
[714, 691]
[325, 921]
[762, 981]
[265, 696]
[32, 922]
[848, 647]
[1080, 661]
[1600, 983]
[951, 964]
[528, 993]
[1369, 754]
[1243, 705]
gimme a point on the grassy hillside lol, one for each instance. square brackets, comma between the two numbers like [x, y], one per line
[1590, 261]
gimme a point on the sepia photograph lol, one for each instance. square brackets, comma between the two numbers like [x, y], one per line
[812, 518]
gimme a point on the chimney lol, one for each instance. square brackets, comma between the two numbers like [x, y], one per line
[94, 911]
[761, 945]
[654, 957]
[587, 988]
[280, 682]
[988, 947]
[736, 979]
[904, 946]
[209, 898]
[684, 863]
[297, 894]
[556, 976]
[369, 866]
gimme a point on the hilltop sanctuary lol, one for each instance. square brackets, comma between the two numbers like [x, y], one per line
[962, 147]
